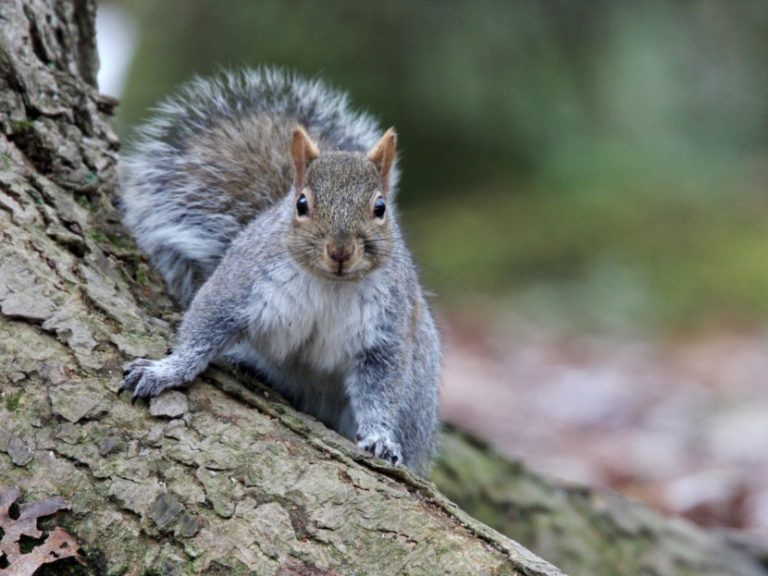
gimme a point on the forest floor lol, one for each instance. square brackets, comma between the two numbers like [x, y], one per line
[681, 423]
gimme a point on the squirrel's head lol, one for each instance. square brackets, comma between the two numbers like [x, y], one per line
[341, 226]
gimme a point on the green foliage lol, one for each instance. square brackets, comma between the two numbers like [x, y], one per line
[595, 260]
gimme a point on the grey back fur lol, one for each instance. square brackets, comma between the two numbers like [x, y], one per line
[216, 154]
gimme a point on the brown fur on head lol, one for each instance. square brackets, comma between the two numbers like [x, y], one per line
[341, 227]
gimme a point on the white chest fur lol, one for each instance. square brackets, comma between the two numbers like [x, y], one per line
[318, 323]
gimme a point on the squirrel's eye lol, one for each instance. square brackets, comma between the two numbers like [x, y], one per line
[302, 206]
[379, 207]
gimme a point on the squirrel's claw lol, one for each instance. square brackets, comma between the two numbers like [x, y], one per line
[382, 446]
[146, 378]
[132, 373]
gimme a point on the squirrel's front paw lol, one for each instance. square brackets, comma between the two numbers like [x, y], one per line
[147, 378]
[381, 445]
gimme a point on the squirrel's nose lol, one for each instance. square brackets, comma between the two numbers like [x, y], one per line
[340, 253]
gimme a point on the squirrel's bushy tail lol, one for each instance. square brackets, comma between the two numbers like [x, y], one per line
[215, 155]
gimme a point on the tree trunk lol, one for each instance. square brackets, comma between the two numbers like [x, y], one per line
[223, 478]
[234, 481]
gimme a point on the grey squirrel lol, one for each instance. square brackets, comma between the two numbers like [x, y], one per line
[267, 204]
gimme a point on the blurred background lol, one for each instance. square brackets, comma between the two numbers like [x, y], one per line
[584, 187]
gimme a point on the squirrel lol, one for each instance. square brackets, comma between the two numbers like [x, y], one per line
[267, 204]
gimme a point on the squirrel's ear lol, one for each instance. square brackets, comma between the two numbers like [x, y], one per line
[303, 151]
[383, 155]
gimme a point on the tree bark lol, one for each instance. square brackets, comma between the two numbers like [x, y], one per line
[224, 478]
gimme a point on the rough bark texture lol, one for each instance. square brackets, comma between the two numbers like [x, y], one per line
[228, 481]
[225, 479]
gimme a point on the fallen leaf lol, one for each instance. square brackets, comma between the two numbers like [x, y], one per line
[59, 544]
